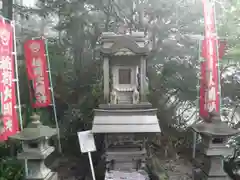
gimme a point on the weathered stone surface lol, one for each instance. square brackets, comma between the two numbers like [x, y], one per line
[119, 175]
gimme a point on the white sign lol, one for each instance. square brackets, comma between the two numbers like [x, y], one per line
[86, 141]
[87, 144]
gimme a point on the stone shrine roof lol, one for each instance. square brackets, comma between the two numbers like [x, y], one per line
[116, 42]
[125, 121]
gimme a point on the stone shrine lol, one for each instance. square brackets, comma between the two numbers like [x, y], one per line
[215, 134]
[36, 149]
[127, 118]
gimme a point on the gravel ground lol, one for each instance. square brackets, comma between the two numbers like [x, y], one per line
[177, 169]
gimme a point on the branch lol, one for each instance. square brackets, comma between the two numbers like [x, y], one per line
[234, 111]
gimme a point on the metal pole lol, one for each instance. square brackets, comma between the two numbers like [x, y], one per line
[53, 99]
[198, 99]
[18, 91]
[218, 62]
[91, 165]
[7, 9]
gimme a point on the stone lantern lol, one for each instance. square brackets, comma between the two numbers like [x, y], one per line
[36, 149]
[215, 134]
[126, 118]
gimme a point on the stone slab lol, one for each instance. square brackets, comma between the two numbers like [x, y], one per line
[153, 128]
[223, 151]
[51, 176]
[119, 175]
[126, 106]
[126, 121]
[112, 120]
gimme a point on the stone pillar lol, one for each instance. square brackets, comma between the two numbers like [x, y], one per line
[36, 150]
[215, 134]
[143, 70]
[106, 78]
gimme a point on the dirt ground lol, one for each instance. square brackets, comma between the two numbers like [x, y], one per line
[76, 168]
[71, 168]
[177, 169]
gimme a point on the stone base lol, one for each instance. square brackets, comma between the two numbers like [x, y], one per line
[142, 105]
[50, 176]
[198, 174]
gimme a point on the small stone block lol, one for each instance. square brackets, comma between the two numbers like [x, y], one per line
[198, 174]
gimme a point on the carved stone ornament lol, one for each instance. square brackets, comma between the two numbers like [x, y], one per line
[113, 97]
[135, 96]
[124, 52]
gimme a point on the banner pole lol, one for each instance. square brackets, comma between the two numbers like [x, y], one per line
[17, 84]
[53, 99]
[218, 60]
[16, 74]
[198, 99]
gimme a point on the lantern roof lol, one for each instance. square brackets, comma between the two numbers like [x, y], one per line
[213, 126]
[35, 130]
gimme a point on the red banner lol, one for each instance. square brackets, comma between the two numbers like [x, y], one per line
[212, 90]
[36, 63]
[221, 52]
[9, 119]
[202, 109]
[221, 48]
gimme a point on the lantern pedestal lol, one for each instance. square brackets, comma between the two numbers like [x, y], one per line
[215, 134]
[36, 149]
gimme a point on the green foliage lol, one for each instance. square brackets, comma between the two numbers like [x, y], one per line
[232, 163]
[10, 168]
